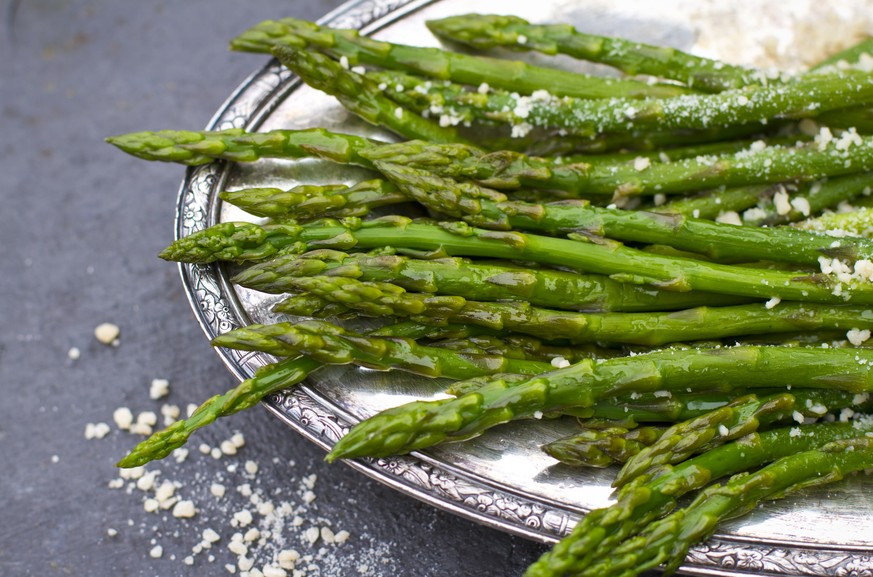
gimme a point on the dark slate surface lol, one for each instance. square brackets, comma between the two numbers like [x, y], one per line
[81, 226]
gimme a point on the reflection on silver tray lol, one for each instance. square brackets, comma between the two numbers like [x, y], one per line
[501, 479]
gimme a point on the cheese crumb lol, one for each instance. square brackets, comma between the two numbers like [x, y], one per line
[159, 388]
[242, 518]
[311, 535]
[73, 354]
[772, 303]
[483, 88]
[782, 203]
[641, 163]
[797, 416]
[723, 431]
[560, 362]
[729, 217]
[107, 333]
[123, 418]
[795, 432]
[522, 39]
[857, 336]
[156, 552]
[184, 510]
[344, 62]
[111, 532]
[96, 431]
[398, 112]
[287, 558]
[341, 536]
[251, 467]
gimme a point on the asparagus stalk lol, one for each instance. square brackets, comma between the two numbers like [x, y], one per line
[600, 448]
[361, 96]
[742, 416]
[809, 198]
[234, 144]
[438, 63]
[524, 347]
[801, 97]
[668, 540]
[269, 379]
[482, 31]
[645, 500]
[241, 242]
[421, 424]
[855, 222]
[507, 170]
[647, 328]
[490, 209]
[330, 344]
[474, 280]
[311, 201]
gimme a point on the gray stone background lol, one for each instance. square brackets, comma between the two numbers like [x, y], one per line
[81, 225]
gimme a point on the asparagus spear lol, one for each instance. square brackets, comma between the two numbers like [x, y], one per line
[801, 97]
[646, 328]
[310, 201]
[742, 416]
[507, 170]
[438, 63]
[361, 96]
[645, 500]
[489, 31]
[269, 379]
[524, 347]
[856, 222]
[600, 448]
[490, 209]
[808, 198]
[668, 540]
[421, 424]
[234, 144]
[475, 280]
[241, 242]
[331, 344]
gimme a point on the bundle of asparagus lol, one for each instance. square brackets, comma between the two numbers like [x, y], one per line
[539, 289]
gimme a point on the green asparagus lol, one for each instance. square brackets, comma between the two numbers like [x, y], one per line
[331, 344]
[645, 500]
[489, 31]
[668, 540]
[241, 242]
[361, 96]
[645, 328]
[356, 49]
[422, 424]
[600, 448]
[475, 280]
[507, 170]
[310, 201]
[490, 209]
[800, 97]
[742, 416]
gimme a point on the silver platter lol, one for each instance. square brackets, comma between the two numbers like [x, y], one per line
[501, 479]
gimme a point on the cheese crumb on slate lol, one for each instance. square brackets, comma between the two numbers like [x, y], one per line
[123, 418]
[184, 509]
[73, 354]
[156, 552]
[96, 431]
[159, 388]
[107, 333]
